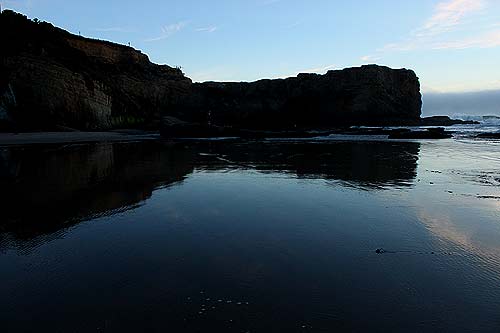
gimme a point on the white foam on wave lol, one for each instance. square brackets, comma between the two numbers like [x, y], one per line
[488, 120]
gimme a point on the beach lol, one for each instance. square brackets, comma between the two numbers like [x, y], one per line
[29, 138]
[298, 235]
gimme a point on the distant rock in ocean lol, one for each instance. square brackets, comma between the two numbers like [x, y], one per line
[445, 121]
[489, 135]
[51, 80]
[430, 133]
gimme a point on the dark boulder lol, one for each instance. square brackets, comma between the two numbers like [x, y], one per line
[445, 121]
[489, 135]
[430, 133]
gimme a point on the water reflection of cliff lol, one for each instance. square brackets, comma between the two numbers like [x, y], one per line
[49, 189]
[369, 164]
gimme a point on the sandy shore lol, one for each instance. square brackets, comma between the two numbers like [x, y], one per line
[73, 137]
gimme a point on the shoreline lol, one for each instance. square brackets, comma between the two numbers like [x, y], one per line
[127, 135]
[31, 138]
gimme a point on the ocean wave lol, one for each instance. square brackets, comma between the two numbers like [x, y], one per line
[490, 120]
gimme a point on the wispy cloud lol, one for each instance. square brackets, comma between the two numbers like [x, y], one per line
[448, 15]
[168, 31]
[369, 58]
[295, 24]
[440, 30]
[486, 40]
[319, 70]
[209, 29]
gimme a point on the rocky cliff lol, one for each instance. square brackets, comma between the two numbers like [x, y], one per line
[51, 79]
[367, 95]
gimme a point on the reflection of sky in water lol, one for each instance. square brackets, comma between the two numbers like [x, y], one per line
[293, 235]
[458, 197]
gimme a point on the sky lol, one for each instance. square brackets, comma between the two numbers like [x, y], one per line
[452, 45]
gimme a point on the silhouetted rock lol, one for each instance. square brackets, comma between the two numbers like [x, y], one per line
[355, 130]
[445, 121]
[430, 133]
[51, 78]
[367, 95]
[489, 135]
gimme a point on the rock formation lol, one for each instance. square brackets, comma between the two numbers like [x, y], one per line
[489, 135]
[367, 95]
[445, 121]
[51, 78]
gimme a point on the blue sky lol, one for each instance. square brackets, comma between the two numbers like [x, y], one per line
[453, 45]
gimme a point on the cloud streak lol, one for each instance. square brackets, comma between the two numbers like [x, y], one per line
[168, 31]
[486, 40]
[437, 32]
[448, 15]
[209, 29]
[318, 70]
[295, 24]
[369, 58]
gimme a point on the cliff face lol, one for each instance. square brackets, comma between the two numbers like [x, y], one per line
[367, 95]
[50, 78]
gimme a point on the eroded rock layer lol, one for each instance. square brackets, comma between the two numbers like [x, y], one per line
[50, 78]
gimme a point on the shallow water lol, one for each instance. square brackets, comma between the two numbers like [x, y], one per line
[265, 236]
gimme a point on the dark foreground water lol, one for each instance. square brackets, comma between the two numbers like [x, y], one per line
[276, 236]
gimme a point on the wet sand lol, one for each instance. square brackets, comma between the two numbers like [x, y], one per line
[251, 236]
[74, 137]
